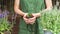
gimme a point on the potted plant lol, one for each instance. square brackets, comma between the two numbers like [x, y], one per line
[51, 21]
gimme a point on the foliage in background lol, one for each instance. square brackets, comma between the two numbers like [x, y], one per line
[51, 20]
[5, 25]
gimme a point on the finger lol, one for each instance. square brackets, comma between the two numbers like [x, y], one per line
[25, 18]
[31, 21]
[26, 22]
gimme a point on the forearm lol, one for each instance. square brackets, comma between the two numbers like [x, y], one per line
[18, 11]
[43, 11]
[48, 3]
[16, 8]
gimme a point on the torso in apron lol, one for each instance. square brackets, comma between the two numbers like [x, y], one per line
[31, 6]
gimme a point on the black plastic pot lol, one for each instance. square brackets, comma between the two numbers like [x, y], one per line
[47, 32]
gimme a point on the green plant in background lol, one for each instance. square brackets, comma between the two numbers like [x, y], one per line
[51, 20]
[5, 25]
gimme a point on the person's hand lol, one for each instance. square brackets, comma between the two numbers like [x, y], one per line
[26, 19]
[32, 20]
[29, 20]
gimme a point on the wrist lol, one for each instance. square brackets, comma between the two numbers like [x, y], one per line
[22, 14]
[38, 15]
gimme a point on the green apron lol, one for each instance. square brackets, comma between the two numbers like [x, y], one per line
[31, 6]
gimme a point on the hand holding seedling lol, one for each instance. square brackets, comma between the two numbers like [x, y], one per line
[29, 18]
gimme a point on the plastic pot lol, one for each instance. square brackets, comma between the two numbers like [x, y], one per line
[47, 32]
